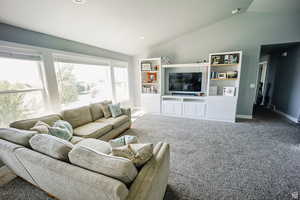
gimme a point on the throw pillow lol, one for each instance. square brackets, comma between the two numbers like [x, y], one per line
[115, 110]
[17, 136]
[139, 154]
[61, 129]
[41, 127]
[105, 109]
[123, 140]
[51, 146]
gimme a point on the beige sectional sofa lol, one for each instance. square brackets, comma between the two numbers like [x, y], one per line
[87, 122]
[65, 179]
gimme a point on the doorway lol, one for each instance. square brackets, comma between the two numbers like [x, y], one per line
[278, 82]
[261, 83]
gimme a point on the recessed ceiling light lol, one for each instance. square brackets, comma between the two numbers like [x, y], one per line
[79, 1]
[142, 37]
[236, 11]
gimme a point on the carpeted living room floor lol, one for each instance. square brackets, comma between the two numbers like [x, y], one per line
[251, 159]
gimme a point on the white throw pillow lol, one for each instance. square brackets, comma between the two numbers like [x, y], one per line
[41, 127]
[139, 154]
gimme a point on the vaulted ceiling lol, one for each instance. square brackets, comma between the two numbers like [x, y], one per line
[118, 25]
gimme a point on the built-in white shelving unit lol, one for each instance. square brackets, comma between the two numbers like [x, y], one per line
[223, 85]
[220, 88]
[151, 86]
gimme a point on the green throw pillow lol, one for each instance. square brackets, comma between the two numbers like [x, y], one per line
[115, 110]
[61, 129]
[123, 140]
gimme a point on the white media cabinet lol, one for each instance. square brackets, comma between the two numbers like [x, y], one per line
[214, 105]
[184, 106]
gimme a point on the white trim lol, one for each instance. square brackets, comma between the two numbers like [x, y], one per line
[293, 119]
[244, 116]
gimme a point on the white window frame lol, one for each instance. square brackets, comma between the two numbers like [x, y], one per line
[48, 56]
[120, 64]
[84, 59]
[28, 55]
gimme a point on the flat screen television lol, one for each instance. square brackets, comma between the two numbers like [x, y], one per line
[185, 82]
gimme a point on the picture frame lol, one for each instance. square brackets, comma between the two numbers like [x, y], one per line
[232, 74]
[151, 77]
[146, 66]
[222, 75]
[228, 91]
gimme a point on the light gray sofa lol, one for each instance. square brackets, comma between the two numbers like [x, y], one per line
[87, 122]
[66, 181]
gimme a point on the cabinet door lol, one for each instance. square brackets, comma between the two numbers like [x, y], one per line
[172, 108]
[194, 109]
[150, 103]
[221, 108]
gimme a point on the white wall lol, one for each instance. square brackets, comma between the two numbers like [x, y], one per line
[246, 32]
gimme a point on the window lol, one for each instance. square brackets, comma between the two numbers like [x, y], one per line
[121, 84]
[22, 94]
[80, 84]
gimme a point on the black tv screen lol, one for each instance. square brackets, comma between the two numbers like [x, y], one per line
[185, 82]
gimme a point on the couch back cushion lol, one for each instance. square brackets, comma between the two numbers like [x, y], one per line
[78, 116]
[52, 146]
[96, 111]
[17, 136]
[91, 159]
[29, 123]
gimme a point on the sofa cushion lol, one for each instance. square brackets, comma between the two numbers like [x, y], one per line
[96, 111]
[92, 130]
[17, 136]
[76, 139]
[78, 116]
[105, 108]
[116, 167]
[115, 122]
[29, 123]
[139, 154]
[41, 127]
[95, 144]
[52, 146]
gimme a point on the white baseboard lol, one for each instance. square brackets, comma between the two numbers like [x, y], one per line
[293, 119]
[245, 116]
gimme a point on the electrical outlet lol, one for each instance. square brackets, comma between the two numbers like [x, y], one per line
[252, 85]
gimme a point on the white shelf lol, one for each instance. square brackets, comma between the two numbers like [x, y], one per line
[186, 65]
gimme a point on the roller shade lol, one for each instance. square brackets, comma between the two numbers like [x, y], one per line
[80, 60]
[22, 56]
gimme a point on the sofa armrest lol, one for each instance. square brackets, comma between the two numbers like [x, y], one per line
[126, 111]
[152, 180]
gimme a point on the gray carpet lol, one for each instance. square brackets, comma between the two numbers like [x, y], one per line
[257, 159]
